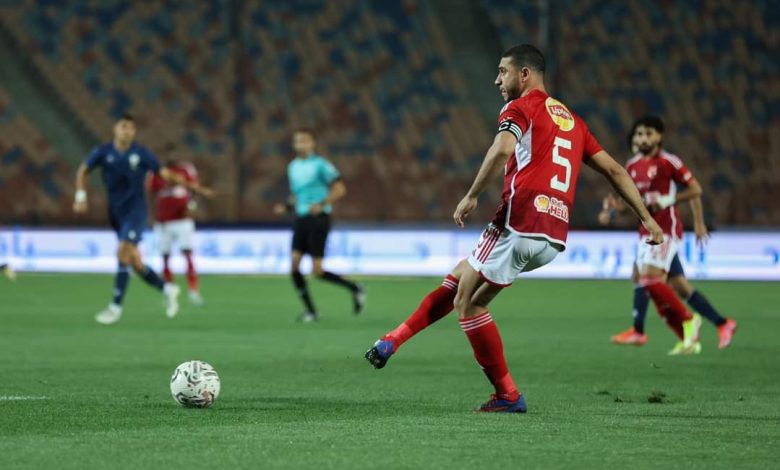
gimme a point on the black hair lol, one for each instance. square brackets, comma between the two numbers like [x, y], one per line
[648, 120]
[526, 55]
[126, 117]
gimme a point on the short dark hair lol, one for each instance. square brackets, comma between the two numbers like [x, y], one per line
[648, 120]
[526, 55]
[306, 130]
[126, 117]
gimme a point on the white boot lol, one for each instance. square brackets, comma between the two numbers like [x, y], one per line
[109, 315]
[171, 292]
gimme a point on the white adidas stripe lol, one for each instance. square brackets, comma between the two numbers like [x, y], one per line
[477, 322]
[477, 325]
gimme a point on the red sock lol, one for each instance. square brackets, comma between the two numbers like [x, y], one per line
[192, 276]
[489, 351]
[167, 274]
[435, 306]
[667, 304]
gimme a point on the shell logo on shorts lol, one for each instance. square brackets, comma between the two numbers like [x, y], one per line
[542, 203]
[560, 114]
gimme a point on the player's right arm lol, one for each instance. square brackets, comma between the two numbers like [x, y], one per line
[94, 159]
[620, 180]
[80, 197]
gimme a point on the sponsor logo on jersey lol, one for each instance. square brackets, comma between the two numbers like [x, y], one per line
[552, 206]
[560, 114]
[134, 161]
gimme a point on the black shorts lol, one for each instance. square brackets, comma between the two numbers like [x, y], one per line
[310, 234]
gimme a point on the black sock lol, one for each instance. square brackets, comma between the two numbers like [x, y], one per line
[641, 301]
[336, 279]
[150, 277]
[703, 306]
[303, 291]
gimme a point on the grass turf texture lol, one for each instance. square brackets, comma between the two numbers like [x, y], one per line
[301, 395]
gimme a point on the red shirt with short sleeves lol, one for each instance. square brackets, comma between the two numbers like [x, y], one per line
[172, 199]
[654, 176]
[541, 177]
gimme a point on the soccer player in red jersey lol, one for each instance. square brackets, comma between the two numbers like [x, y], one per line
[173, 221]
[540, 145]
[658, 174]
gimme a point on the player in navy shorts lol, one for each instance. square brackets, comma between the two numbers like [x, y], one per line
[125, 165]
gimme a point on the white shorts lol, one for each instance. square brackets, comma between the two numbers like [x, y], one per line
[174, 232]
[660, 256]
[500, 255]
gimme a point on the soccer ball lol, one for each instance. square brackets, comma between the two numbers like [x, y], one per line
[195, 384]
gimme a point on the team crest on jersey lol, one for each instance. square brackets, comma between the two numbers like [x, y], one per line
[134, 161]
[652, 171]
[560, 114]
[553, 206]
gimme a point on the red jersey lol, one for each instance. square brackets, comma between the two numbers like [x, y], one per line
[653, 177]
[539, 182]
[172, 199]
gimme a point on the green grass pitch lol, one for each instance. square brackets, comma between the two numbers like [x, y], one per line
[302, 396]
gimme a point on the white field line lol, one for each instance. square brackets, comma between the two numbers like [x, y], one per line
[20, 398]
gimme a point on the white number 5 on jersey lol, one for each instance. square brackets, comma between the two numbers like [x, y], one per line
[559, 159]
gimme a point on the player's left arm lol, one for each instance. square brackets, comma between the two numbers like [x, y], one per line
[337, 190]
[193, 186]
[620, 180]
[495, 159]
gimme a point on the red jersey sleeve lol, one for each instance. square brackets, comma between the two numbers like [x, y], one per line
[513, 119]
[681, 175]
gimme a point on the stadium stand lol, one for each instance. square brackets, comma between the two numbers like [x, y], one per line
[226, 82]
[703, 66]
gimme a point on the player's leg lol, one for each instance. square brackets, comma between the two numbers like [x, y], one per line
[164, 243]
[434, 306]
[636, 334]
[113, 312]
[654, 263]
[184, 236]
[131, 232]
[318, 237]
[300, 246]
[510, 256]
[471, 302]
[726, 326]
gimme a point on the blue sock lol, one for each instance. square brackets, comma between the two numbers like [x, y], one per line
[121, 280]
[700, 303]
[151, 278]
[641, 301]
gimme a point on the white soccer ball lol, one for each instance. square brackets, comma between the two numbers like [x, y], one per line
[195, 384]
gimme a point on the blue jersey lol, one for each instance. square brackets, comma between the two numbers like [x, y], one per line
[124, 175]
[310, 180]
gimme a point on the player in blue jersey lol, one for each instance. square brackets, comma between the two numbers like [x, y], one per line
[125, 165]
[315, 185]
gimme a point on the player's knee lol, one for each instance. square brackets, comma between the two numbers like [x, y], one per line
[461, 303]
[318, 271]
[682, 287]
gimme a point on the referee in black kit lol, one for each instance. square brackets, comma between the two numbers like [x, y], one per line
[315, 185]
